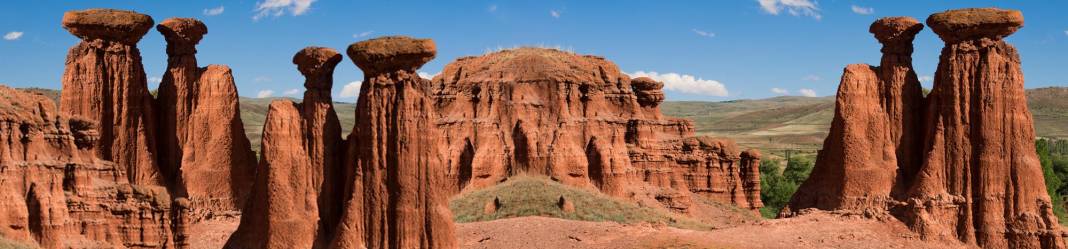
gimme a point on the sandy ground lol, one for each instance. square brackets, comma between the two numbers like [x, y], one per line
[817, 230]
[809, 231]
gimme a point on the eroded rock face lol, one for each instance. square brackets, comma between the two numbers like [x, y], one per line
[399, 199]
[967, 169]
[105, 82]
[59, 194]
[282, 210]
[981, 181]
[202, 138]
[579, 120]
[324, 144]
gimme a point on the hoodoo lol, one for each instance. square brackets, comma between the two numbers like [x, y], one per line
[105, 82]
[400, 198]
[202, 141]
[323, 133]
[958, 165]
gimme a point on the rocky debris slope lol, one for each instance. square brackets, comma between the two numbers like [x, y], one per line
[967, 169]
[202, 138]
[579, 120]
[399, 198]
[105, 82]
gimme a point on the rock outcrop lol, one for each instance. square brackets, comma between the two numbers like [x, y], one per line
[202, 138]
[282, 210]
[981, 181]
[400, 200]
[59, 194]
[958, 165]
[323, 138]
[105, 82]
[580, 121]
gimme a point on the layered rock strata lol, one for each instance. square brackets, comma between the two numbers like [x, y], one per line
[958, 165]
[59, 194]
[202, 138]
[580, 121]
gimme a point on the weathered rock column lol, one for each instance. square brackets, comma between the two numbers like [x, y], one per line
[203, 140]
[750, 175]
[981, 182]
[901, 93]
[282, 210]
[395, 149]
[105, 82]
[323, 132]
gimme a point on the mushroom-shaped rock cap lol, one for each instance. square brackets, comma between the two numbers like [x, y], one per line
[107, 24]
[967, 24]
[391, 53]
[316, 60]
[646, 83]
[898, 29]
[185, 30]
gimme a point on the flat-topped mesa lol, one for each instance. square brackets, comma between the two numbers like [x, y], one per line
[391, 53]
[896, 33]
[105, 82]
[110, 25]
[182, 35]
[399, 198]
[323, 131]
[976, 23]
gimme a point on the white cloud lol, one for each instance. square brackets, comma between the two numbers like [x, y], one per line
[262, 79]
[807, 92]
[363, 34]
[351, 90]
[926, 78]
[793, 7]
[704, 33]
[264, 94]
[428, 75]
[292, 92]
[780, 91]
[554, 13]
[155, 80]
[277, 8]
[1066, 32]
[811, 77]
[492, 8]
[214, 11]
[686, 83]
[13, 35]
[862, 10]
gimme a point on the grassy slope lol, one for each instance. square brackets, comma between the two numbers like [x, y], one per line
[537, 196]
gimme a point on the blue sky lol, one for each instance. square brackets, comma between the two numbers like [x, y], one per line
[705, 50]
